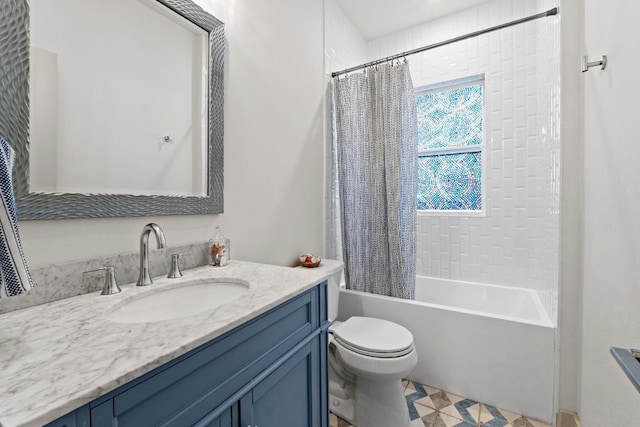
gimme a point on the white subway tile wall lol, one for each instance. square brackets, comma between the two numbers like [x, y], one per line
[344, 46]
[517, 242]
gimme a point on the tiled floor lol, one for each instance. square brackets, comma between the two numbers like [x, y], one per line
[430, 407]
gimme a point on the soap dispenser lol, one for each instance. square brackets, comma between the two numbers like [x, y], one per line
[219, 249]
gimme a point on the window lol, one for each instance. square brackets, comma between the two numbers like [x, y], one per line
[450, 146]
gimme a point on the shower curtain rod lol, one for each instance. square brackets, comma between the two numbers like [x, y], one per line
[550, 12]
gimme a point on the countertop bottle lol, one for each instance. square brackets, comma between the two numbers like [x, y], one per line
[219, 249]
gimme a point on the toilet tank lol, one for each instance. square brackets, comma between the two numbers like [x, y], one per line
[333, 293]
[333, 270]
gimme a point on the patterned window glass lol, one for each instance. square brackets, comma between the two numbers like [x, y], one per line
[450, 139]
[450, 181]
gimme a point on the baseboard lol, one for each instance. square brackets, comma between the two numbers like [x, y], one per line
[567, 419]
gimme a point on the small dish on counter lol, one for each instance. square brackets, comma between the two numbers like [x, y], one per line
[309, 260]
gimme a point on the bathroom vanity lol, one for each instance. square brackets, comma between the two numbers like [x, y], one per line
[259, 360]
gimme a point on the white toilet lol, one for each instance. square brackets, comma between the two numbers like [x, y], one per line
[368, 358]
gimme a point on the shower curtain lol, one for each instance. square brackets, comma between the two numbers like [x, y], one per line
[375, 139]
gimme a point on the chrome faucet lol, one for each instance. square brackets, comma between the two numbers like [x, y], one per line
[145, 279]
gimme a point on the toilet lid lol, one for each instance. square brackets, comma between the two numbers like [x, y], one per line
[374, 337]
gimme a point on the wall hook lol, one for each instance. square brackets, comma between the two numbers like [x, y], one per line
[586, 64]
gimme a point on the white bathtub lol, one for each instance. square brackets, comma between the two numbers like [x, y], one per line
[492, 344]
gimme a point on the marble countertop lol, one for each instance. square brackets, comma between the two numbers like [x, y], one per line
[59, 356]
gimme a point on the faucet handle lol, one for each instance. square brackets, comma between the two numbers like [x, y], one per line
[174, 271]
[110, 286]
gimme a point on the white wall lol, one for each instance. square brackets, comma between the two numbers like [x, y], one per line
[273, 148]
[568, 346]
[516, 243]
[611, 284]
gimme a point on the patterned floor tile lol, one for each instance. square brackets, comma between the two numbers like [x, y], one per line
[536, 423]
[469, 410]
[522, 422]
[440, 400]
[335, 421]
[439, 419]
[414, 391]
[431, 390]
[450, 404]
[490, 416]
[431, 407]
[420, 411]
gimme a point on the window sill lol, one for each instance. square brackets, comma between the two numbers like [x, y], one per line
[433, 212]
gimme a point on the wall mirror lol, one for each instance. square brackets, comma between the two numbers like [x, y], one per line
[113, 108]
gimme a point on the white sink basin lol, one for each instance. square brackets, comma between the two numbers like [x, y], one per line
[181, 300]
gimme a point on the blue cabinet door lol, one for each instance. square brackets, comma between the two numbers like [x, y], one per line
[77, 418]
[102, 415]
[228, 418]
[289, 396]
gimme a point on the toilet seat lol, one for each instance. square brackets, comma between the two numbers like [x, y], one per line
[374, 337]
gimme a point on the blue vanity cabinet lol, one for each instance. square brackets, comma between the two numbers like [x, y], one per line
[269, 371]
[289, 396]
[78, 418]
[228, 418]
